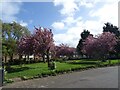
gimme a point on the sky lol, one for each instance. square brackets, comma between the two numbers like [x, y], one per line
[66, 18]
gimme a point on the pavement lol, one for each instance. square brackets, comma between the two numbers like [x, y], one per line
[94, 78]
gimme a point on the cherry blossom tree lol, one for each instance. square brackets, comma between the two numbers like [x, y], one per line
[27, 45]
[39, 43]
[99, 46]
[44, 42]
[108, 27]
[63, 50]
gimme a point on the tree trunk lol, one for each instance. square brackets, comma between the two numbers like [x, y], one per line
[43, 57]
[8, 66]
[48, 59]
[28, 59]
[11, 57]
[5, 58]
[21, 61]
[20, 56]
[25, 58]
[34, 57]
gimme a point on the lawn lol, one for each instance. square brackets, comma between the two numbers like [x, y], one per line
[30, 70]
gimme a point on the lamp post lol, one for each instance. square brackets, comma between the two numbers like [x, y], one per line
[2, 74]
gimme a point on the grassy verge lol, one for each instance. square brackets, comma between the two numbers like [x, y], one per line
[37, 70]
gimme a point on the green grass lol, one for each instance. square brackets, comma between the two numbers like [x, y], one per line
[33, 69]
[30, 70]
[39, 68]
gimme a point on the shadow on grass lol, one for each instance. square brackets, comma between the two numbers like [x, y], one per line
[12, 70]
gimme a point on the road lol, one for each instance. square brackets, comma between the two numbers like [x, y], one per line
[94, 78]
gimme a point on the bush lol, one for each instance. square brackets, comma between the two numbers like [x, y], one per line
[8, 80]
[53, 73]
[24, 78]
[57, 71]
[15, 62]
[44, 74]
[63, 59]
[8, 68]
[74, 58]
[36, 76]
[56, 59]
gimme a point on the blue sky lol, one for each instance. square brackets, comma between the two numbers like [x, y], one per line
[67, 18]
[39, 13]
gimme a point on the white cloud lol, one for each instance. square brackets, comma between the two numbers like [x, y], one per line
[93, 26]
[22, 23]
[71, 37]
[108, 13]
[86, 3]
[68, 7]
[9, 10]
[68, 20]
[71, 20]
[58, 25]
[65, 38]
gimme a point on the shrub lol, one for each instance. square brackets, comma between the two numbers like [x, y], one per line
[44, 74]
[53, 73]
[24, 78]
[36, 76]
[8, 80]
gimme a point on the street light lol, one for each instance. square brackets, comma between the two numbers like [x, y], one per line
[2, 74]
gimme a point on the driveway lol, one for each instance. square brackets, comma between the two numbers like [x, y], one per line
[94, 78]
